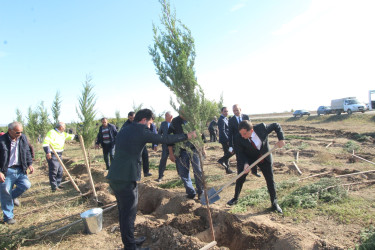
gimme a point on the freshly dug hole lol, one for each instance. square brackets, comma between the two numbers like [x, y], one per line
[174, 222]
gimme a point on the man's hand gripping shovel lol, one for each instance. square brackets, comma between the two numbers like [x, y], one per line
[213, 195]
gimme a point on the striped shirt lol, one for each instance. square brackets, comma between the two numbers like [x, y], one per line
[106, 136]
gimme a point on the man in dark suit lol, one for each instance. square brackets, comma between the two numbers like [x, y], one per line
[145, 161]
[163, 130]
[233, 123]
[252, 143]
[224, 139]
[212, 128]
[125, 169]
[130, 119]
[106, 138]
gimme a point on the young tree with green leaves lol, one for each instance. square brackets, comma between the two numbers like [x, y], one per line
[118, 121]
[86, 113]
[19, 117]
[136, 107]
[173, 55]
[56, 108]
[32, 125]
[44, 124]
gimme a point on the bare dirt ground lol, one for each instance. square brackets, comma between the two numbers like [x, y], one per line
[171, 221]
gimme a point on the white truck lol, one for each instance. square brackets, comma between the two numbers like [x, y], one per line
[348, 105]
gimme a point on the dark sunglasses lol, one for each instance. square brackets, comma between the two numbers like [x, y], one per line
[17, 133]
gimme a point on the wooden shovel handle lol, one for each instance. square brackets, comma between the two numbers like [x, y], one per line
[87, 164]
[66, 170]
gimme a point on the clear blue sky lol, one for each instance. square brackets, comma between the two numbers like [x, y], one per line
[268, 56]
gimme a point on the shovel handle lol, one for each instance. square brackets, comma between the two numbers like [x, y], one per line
[243, 172]
[66, 170]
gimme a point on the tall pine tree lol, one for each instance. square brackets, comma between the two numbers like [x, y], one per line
[86, 113]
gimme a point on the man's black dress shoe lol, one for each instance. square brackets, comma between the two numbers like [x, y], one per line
[256, 174]
[232, 202]
[190, 196]
[148, 174]
[222, 164]
[229, 171]
[139, 241]
[277, 208]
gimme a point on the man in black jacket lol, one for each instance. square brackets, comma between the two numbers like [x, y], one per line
[252, 143]
[234, 121]
[125, 169]
[163, 130]
[15, 159]
[106, 138]
[224, 139]
[212, 128]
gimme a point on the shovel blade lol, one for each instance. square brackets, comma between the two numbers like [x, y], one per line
[212, 197]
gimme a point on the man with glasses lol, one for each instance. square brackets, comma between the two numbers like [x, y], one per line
[56, 138]
[15, 159]
[125, 169]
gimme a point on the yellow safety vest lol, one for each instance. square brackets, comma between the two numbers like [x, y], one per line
[57, 139]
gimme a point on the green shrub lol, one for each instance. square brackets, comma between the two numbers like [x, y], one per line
[350, 146]
[310, 195]
[367, 239]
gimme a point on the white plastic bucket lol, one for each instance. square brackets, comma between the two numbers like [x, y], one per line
[93, 220]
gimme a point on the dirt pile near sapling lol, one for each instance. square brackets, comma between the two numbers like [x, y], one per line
[172, 221]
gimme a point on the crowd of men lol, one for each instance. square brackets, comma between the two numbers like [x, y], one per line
[124, 152]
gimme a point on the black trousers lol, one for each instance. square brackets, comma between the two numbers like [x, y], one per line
[108, 153]
[145, 161]
[213, 136]
[267, 171]
[227, 154]
[163, 160]
[127, 203]
[55, 171]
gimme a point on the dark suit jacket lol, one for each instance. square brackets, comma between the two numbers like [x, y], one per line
[112, 134]
[163, 130]
[130, 141]
[24, 153]
[246, 152]
[233, 128]
[223, 129]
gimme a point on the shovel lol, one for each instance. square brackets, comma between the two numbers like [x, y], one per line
[213, 195]
[87, 164]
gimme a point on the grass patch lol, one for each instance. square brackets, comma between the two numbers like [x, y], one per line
[367, 239]
[349, 210]
[362, 137]
[260, 196]
[172, 184]
[291, 137]
[310, 195]
[155, 165]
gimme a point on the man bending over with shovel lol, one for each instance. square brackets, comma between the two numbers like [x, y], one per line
[253, 143]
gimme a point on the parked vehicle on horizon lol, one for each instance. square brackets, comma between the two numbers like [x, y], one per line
[348, 105]
[324, 110]
[301, 112]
